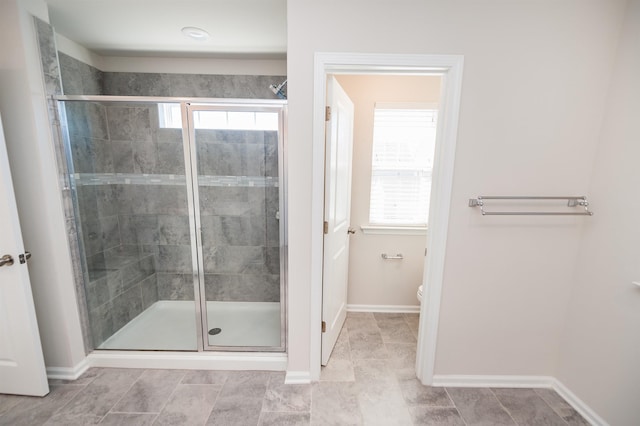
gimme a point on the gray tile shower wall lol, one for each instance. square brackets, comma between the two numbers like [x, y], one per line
[53, 86]
[79, 78]
[190, 85]
[239, 224]
[48, 58]
[134, 237]
[121, 275]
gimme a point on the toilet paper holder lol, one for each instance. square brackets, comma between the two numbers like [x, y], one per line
[398, 256]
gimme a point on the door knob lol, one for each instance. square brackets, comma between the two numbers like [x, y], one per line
[351, 231]
[6, 260]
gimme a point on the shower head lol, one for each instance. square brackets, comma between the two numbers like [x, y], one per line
[277, 89]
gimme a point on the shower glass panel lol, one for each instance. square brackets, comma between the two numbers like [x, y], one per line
[129, 186]
[236, 157]
[179, 209]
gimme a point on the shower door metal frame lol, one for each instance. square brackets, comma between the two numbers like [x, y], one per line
[236, 105]
[188, 104]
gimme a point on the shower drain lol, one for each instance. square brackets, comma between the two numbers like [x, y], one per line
[215, 331]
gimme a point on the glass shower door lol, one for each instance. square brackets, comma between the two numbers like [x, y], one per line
[236, 164]
[128, 179]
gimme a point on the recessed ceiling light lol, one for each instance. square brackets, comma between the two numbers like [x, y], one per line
[195, 33]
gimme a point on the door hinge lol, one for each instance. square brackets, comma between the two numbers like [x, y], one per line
[324, 327]
[326, 227]
[327, 114]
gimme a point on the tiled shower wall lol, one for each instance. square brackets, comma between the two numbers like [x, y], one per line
[240, 229]
[121, 276]
[136, 237]
[131, 186]
[150, 222]
[79, 78]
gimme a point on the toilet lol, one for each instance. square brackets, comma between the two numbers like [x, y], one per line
[419, 294]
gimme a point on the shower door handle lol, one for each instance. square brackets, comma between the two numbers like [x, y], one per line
[6, 260]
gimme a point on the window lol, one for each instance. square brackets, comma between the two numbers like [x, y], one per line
[403, 149]
[170, 116]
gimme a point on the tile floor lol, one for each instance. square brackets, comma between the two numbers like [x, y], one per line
[370, 380]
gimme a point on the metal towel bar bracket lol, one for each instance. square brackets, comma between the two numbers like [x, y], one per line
[572, 201]
[398, 256]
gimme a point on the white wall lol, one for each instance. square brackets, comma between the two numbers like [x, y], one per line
[534, 86]
[24, 112]
[601, 344]
[372, 280]
[185, 65]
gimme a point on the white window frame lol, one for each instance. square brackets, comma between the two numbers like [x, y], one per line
[397, 228]
[170, 117]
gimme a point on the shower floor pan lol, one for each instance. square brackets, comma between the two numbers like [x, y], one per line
[171, 325]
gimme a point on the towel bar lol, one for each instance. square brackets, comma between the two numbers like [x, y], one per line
[572, 201]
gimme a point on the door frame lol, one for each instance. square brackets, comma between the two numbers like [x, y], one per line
[450, 68]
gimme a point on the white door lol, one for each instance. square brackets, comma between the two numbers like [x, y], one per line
[337, 213]
[22, 368]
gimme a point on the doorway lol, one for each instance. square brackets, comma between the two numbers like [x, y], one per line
[391, 163]
[450, 69]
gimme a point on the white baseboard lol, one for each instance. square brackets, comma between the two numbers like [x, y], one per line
[297, 377]
[68, 373]
[392, 309]
[579, 405]
[189, 361]
[480, 381]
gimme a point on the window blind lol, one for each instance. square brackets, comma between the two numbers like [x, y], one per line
[402, 165]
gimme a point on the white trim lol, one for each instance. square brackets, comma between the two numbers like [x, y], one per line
[408, 309]
[68, 373]
[481, 381]
[189, 361]
[407, 105]
[450, 67]
[441, 189]
[393, 230]
[78, 52]
[297, 378]
[546, 382]
[579, 405]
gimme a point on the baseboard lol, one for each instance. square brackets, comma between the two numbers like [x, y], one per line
[189, 361]
[68, 373]
[479, 381]
[297, 378]
[579, 405]
[392, 309]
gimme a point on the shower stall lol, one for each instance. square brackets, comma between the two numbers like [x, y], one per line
[179, 210]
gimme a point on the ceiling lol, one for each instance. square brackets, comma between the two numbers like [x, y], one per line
[238, 28]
